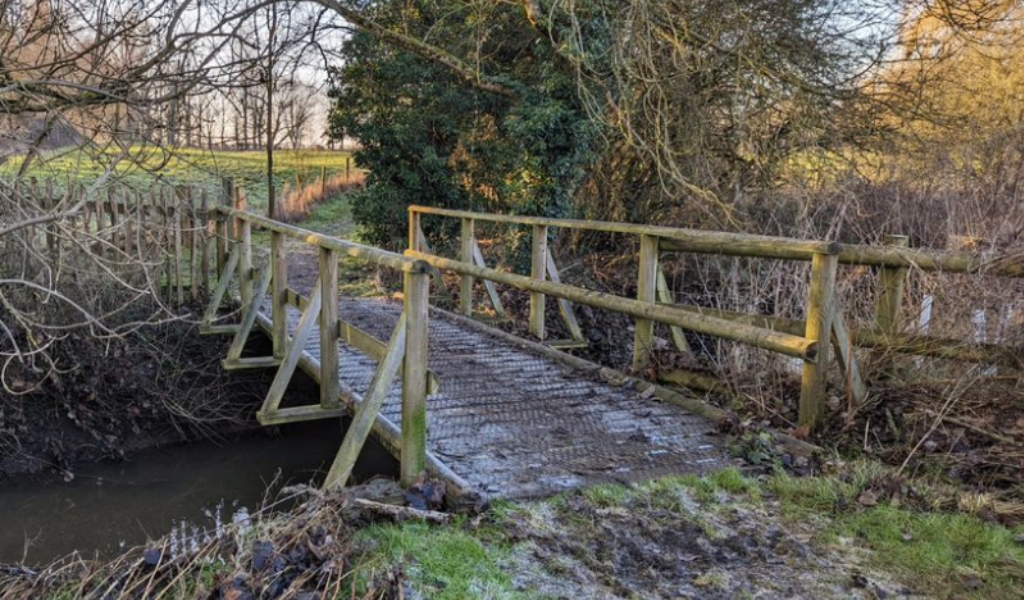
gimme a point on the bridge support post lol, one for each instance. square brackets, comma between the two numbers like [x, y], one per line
[820, 311]
[279, 293]
[413, 451]
[646, 291]
[890, 299]
[330, 387]
[538, 269]
[468, 243]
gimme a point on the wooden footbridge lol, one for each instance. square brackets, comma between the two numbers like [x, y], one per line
[495, 414]
[487, 411]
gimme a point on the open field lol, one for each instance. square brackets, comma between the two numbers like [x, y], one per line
[143, 164]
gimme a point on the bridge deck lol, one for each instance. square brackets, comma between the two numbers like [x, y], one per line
[515, 423]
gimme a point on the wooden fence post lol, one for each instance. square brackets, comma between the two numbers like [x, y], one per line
[820, 309]
[131, 218]
[193, 247]
[413, 452]
[165, 241]
[323, 181]
[468, 242]
[244, 233]
[205, 237]
[115, 233]
[538, 269]
[227, 198]
[176, 221]
[279, 293]
[99, 227]
[890, 298]
[50, 204]
[646, 291]
[330, 388]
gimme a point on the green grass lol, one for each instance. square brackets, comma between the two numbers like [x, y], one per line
[444, 563]
[186, 166]
[954, 554]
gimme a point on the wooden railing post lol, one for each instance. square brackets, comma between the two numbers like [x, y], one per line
[820, 310]
[279, 293]
[646, 291]
[538, 269]
[244, 232]
[468, 242]
[892, 281]
[330, 388]
[413, 452]
[414, 229]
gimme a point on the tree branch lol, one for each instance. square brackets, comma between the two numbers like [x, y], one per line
[422, 49]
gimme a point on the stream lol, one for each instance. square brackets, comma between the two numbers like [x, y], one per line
[184, 490]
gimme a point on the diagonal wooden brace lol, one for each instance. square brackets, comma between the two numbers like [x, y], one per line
[367, 410]
[234, 359]
[564, 306]
[207, 326]
[492, 292]
[292, 355]
[425, 247]
[665, 297]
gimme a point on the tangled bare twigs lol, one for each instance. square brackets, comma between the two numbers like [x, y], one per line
[314, 550]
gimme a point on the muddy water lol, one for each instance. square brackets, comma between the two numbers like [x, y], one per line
[184, 490]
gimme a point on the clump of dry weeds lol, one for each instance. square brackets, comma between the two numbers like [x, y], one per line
[300, 199]
[312, 553]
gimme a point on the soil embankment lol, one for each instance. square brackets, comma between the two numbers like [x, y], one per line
[106, 399]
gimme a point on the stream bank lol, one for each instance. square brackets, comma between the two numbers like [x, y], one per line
[148, 437]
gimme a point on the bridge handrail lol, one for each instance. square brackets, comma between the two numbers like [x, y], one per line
[385, 258]
[677, 239]
[932, 260]
[673, 238]
[783, 343]
[813, 347]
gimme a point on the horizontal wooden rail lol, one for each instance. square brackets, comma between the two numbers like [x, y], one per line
[904, 343]
[672, 238]
[376, 255]
[783, 343]
[739, 244]
[933, 260]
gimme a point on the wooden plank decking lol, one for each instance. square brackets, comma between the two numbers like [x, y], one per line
[514, 423]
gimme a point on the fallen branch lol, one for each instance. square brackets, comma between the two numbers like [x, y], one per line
[968, 425]
[402, 513]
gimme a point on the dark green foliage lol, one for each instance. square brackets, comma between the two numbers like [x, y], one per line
[429, 138]
[609, 110]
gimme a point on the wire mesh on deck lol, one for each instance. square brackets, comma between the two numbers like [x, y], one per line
[517, 424]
